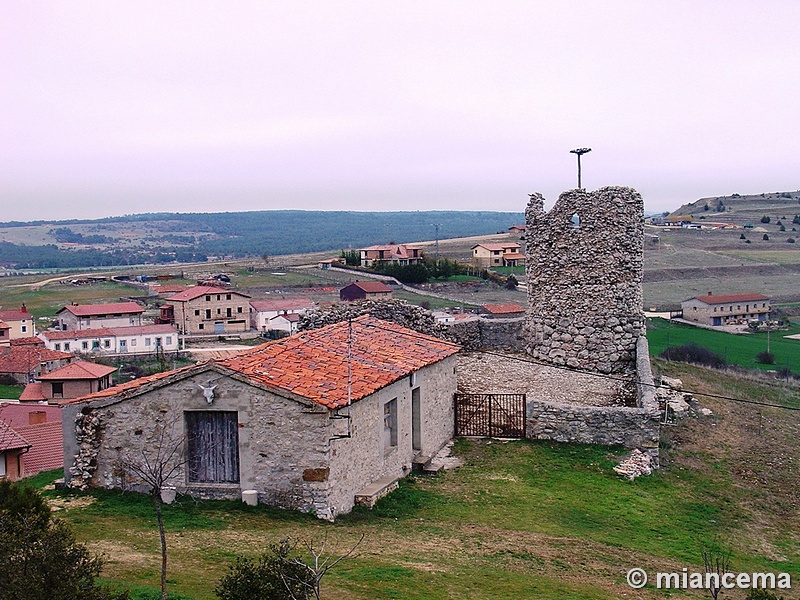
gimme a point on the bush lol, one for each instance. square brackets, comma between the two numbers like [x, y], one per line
[790, 241]
[692, 353]
[766, 237]
[273, 576]
[39, 557]
[759, 594]
[742, 237]
[765, 358]
[765, 219]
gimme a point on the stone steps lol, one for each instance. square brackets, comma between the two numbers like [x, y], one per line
[376, 490]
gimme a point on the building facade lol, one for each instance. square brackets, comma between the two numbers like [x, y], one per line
[211, 311]
[726, 309]
[497, 255]
[20, 323]
[93, 316]
[263, 312]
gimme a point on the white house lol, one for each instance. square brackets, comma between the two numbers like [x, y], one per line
[314, 422]
[263, 312]
[94, 316]
[141, 339]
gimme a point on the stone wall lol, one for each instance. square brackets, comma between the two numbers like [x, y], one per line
[637, 427]
[497, 334]
[584, 271]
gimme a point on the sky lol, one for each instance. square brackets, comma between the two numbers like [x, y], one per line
[111, 108]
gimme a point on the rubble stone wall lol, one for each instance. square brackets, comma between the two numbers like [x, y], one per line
[496, 334]
[632, 427]
[584, 272]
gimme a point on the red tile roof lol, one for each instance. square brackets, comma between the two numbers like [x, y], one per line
[314, 364]
[497, 247]
[371, 287]
[27, 341]
[91, 310]
[502, 309]
[17, 414]
[202, 290]
[80, 369]
[10, 439]
[281, 304]
[47, 447]
[107, 332]
[4, 325]
[513, 256]
[33, 392]
[15, 315]
[24, 359]
[728, 298]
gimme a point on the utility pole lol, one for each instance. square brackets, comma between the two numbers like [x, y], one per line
[580, 152]
[437, 225]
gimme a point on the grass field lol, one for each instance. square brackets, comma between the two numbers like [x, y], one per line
[10, 392]
[736, 349]
[517, 520]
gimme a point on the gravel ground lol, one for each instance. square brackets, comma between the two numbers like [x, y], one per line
[506, 373]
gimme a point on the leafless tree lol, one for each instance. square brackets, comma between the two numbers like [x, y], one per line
[716, 560]
[321, 562]
[158, 463]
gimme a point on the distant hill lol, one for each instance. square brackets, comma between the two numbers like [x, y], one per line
[748, 208]
[167, 237]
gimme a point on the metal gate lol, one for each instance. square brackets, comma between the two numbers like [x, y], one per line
[490, 415]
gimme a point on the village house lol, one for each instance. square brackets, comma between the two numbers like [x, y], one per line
[20, 322]
[400, 254]
[309, 422]
[210, 310]
[365, 290]
[725, 309]
[505, 310]
[5, 334]
[93, 316]
[78, 378]
[516, 229]
[497, 255]
[40, 428]
[26, 363]
[264, 312]
[139, 339]
[12, 448]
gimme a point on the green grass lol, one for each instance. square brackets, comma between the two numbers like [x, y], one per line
[736, 349]
[11, 392]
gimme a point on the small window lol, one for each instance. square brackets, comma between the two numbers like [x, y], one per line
[219, 297]
[201, 326]
[58, 389]
[66, 345]
[106, 343]
[85, 345]
[24, 328]
[196, 312]
[227, 297]
[146, 341]
[239, 309]
[133, 342]
[208, 298]
[229, 312]
[390, 424]
[169, 340]
[57, 346]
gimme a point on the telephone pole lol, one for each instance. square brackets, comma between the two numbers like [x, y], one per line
[580, 152]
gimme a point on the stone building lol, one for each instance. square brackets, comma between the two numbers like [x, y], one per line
[726, 309]
[308, 422]
[584, 271]
[208, 310]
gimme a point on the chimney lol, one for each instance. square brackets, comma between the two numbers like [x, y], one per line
[35, 417]
[710, 294]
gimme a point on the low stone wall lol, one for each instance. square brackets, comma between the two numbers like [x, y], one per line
[637, 427]
[495, 334]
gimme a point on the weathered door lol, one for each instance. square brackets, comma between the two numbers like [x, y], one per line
[219, 327]
[416, 420]
[213, 444]
[490, 415]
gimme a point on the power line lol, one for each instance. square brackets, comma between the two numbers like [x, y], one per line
[593, 373]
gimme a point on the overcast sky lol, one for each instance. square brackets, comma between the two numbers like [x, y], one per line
[110, 108]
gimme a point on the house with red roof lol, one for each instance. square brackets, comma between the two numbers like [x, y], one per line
[27, 362]
[505, 310]
[726, 309]
[365, 290]
[208, 310]
[264, 312]
[400, 254]
[316, 422]
[5, 334]
[12, 448]
[74, 380]
[504, 254]
[40, 428]
[132, 340]
[20, 322]
[95, 316]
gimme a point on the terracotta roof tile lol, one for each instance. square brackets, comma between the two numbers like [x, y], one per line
[314, 364]
[16, 414]
[10, 439]
[47, 447]
[23, 359]
[33, 392]
[27, 341]
[202, 290]
[128, 385]
[15, 315]
[80, 369]
[502, 309]
[728, 298]
[282, 304]
[370, 286]
[115, 308]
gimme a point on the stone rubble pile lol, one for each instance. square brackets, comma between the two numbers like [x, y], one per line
[87, 426]
[636, 465]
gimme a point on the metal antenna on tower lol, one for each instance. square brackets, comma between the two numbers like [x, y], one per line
[437, 225]
[580, 152]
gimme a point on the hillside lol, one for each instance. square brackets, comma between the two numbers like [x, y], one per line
[739, 209]
[196, 237]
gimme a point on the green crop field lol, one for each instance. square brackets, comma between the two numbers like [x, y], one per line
[736, 349]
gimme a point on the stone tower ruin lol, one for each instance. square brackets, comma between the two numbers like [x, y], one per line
[584, 270]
